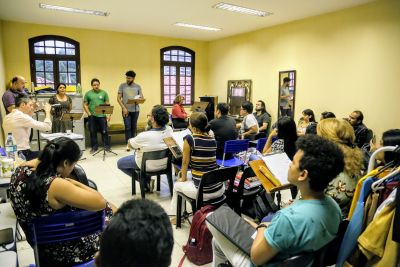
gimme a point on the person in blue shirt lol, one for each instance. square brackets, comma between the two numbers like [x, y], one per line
[307, 224]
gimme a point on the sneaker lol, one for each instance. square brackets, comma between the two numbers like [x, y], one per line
[93, 150]
[107, 149]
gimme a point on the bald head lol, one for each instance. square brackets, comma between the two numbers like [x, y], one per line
[18, 83]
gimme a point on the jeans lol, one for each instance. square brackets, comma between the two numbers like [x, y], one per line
[130, 122]
[285, 112]
[127, 164]
[98, 124]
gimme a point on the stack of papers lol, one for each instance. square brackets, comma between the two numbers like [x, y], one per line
[278, 164]
[52, 136]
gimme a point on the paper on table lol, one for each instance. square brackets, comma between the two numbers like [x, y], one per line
[278, 164]
[178, 137]
[52, 136]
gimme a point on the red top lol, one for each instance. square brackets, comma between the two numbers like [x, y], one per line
[178, 112]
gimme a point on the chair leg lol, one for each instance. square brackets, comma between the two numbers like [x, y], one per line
[170, 183]
[142, 182]
[178, 211]
[158, 182]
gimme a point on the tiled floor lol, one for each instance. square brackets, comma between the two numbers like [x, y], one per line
[116, 188]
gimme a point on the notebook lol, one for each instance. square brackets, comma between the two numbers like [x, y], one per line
[278, 164]
[233, 227]
[173, 147]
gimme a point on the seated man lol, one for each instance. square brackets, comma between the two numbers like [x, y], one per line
[307, 224]
[20, 122]
[151, 140]
[224, 129]
[139, 234]
[249, 125]
[360, 130]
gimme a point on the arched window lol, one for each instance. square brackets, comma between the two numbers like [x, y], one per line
[177, 74]
[54, 59]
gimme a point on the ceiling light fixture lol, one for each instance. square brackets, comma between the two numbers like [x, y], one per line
[243, 10]
[74, 10]
[199, 27]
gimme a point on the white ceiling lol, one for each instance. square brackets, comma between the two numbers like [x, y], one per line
[156, 17]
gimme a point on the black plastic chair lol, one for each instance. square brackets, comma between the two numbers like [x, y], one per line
[78, 173]
[212, 177]
[142, 174]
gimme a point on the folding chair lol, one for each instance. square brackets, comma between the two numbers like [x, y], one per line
[212, 177]
[142, 173]
[260, 144]
[63, 227]
[175, 129]
[233, 146]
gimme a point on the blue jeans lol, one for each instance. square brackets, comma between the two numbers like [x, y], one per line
[98, 124]
[127, 164]
[130, 122]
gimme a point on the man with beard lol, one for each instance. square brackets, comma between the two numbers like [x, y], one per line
[130, 112]
[360, 130]
[16, 89]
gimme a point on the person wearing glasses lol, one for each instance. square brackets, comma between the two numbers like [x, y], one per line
[151, 140]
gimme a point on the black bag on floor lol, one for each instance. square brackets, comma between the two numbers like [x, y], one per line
[259, 206]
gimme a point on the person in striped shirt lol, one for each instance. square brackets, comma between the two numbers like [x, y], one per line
[199, 154]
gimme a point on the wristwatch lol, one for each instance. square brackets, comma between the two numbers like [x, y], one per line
[261, 226]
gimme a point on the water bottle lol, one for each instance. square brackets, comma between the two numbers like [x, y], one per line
[11, 147]
[78, 89]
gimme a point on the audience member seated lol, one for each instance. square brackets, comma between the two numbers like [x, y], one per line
[263, 119]
[179, 115]
[139, 234]
[327, 115]
[389, 138]
[249, 125]
[20, 123]
[286, 135]
[360, 130]
[342, 188]
[199, 152]
[151, 140]
[47, 190]
[308, 121]
[224, 129]
[307, 224]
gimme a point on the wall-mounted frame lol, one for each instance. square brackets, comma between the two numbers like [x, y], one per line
[286, 93]
[238, 91]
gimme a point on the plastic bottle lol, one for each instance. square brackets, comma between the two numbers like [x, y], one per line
[78, 89]
[11, 146]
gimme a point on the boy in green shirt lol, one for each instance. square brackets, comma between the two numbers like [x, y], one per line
[97, 122]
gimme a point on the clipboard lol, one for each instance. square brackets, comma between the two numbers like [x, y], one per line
[199, 106]
[173, 147]
[136, 101]
[267, 179]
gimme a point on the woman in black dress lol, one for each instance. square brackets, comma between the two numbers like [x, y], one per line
[59, 126]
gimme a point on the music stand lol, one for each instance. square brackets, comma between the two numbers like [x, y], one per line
[105, 110]
[71, 117]
[136, 101]
[199, 106]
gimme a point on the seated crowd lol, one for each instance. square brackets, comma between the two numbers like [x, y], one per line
[328, 158]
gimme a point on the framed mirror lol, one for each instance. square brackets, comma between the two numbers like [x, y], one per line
[287, 93]
[238, 92]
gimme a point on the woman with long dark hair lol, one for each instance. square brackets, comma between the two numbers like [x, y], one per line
[286, 135]
[47, 190]
[64, 105]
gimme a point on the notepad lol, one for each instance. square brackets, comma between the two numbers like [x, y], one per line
[278, 164]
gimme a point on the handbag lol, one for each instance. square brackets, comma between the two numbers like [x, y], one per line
[259, 206]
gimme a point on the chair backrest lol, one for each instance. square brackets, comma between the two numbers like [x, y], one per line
[260, 144]
[61, 227]
[216, 176]
[235, 146]
[154, 156]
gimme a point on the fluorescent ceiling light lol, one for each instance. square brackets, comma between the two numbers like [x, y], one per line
[243, 10]
[199, 27]
[74, 10]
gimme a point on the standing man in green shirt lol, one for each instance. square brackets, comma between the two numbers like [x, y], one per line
[97, 122]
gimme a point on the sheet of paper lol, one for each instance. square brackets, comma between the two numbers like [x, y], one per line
[52, 136]
[278, 164]
[178, 137]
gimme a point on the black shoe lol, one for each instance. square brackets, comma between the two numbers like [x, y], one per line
[93, 150]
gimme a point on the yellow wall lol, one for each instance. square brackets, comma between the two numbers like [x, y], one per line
[2, 82]
[345, 60]
[106, 56]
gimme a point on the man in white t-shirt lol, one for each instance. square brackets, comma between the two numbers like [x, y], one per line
[249, 126]
[151, 140]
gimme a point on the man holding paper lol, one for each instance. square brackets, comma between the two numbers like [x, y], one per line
[130, 112]
[306, 225]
